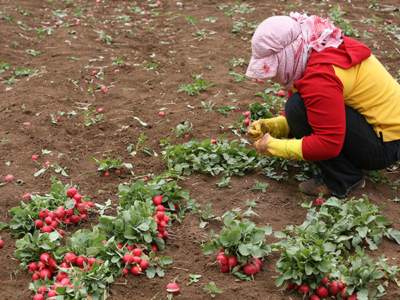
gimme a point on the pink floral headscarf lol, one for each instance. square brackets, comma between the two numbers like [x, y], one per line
[282, 46]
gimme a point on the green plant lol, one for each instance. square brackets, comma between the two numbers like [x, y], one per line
[107, 164]
[377, 177]
[225, 182]
[199, 34]
[225, 109]
[10, 80]
[5, 141]
[139, 146]
[212, 289]
[235, 63]
[191, 20]
[238, 78]
[207, 106]
[193, 278]
[74, 58]
[16, 44]
[262, 186]
[210, 67]
[183, 129]
[195, 88]
[89, 120]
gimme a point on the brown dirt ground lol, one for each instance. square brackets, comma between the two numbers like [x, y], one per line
[52, 91]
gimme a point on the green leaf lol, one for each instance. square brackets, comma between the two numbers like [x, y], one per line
[362, 231]
[244, 250]
[279, 281]
[234, 237]
[208, 249]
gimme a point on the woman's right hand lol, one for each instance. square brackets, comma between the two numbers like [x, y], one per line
[256, 130]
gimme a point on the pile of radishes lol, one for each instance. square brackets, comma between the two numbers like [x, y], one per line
[160, 218]
[228, 264]
[327, 288]
[134, 261]
[49, 221]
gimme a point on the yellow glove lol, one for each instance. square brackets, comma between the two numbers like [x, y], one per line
[277, 127]
[270, 146]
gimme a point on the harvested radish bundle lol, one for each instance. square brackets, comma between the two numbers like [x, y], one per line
[241, 245]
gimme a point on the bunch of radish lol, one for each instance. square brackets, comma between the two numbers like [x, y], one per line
[228, 264]
[160, 217]
[49, 221]
[327, 288]
[134, 264]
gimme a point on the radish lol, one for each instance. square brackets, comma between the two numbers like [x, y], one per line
[42, 290]
[130, 247]
[52, 263]
[100, 110]
[48, 220]
[71, 192]
[157, 200]
[38, 297]
[53, 224]
[137, 259]
[342, 294]
[173, 288]
[47, 229]
[154, 247]
[67, 221]
[38, 223]
[341, 285]
[47, 163]
[70, 258]
[137, 252]
[161, 113]
[260, 81]
[322, 292]
[213, 141]
[43, 213]
[166, 219]
[165, 234]
[247, 114]
[65, 282]
[319, 201]
[353, 297]
[64, 265]
[36, 276]
[107, 174]
[61, 275]
[118, 172]
[160, 215]
[51, 293]
[304, 289]
[250, 269]
[224, 268]
[257, 261]
[9, 178]
[120, 246]
[135, 270]
[314, 297]
[160, 208]
[78, 197]
[94, 72]
[325, 281]
[34, 157]
[1, 243]
[281, 93]
[70, 212]
[128, 259]
[290, 286]
[222, 259]
[334, 288]
[41, 265]
[247, 122]
[232, 262]
[103, 89]
[159, 235]
[45, 257]
[144, 264]
[26, 196]
[33, 266]
[45, 273]
[80, 260]
[89, 204]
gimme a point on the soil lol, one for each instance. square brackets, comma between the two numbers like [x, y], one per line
[62, 86]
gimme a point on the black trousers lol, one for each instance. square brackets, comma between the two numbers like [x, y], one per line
[362, 148]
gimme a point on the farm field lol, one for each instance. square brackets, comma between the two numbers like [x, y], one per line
[83, 81]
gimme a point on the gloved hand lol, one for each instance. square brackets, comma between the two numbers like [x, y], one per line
[277, 127]
[270, 146]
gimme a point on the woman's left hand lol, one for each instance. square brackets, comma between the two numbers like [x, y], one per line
[263, 146]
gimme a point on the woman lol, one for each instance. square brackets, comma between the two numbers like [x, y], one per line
[344, 107]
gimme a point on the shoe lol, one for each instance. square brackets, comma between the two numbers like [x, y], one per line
[314, 187]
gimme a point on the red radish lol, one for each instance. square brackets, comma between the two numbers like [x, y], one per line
[9, 178]
[67, 221]
[53, 224]
[213, 141]
[118, 172]
[26, 196]
[36, 276]
[107, 174]
[70, 258]
[130, 247]
[94, 72]
[34, 157]
[52, 263]
[125, 271]
[319, 201]
[232, 262]
[42, 290]
[334, 288]
[64, 265]
[260, 81]
[160, 208]
[76, 219]
[247, 122]
[90, 204]
[47, 163]
[224, 268]
[172, 288]
[51, 293]
[135, 270]
[45, 257]
[128, 259]
[304, 289]
[314, 297]
[65, 281]
[165, 234]
[33, 266]
[78, 197]
[39, 223]
[71, 192]
[144, 264]
[41, 265]
[325, 281]
[80, 260]
[341, 285]
[250, 269]
[91, 261]
[155, 248]
[47, 229]
[51, 215]
[161, 114]
[45, 273]
[1, 243]
[322, 292]
[120, 246]
[61, 275]
[100, 110]
[70, 212]
[281, 93]
[222, 259]
[38, 297]
[160, 215]
[290, 286]
[103, 89]
[157, 200]
[137, 259]
[43, 213]
[186, 136]
[342, 294]
[353, 297]
[159, 235]
[257, 261]
[166, 219]
[247, 114]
